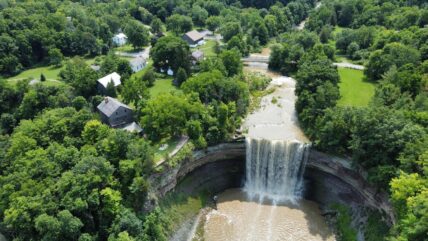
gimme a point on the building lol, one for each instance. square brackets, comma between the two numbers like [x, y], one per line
[133, 127]
[117, 115]
[120, 39]
[169, 71]
[197, 56]
[95, 67]
[194, 38]
[104, 81]
[137, 63]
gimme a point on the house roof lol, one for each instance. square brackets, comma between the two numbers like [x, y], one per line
[115, 77]
[133, 127]
[194, 35]
[109, 105]
[120, 35]
[137, 61]
[197, 54]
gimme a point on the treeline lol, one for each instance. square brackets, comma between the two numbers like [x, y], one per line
[66, 176]
[371, 25]
[389, 137]
[34, 32]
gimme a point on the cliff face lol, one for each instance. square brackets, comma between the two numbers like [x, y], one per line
[216, 169]
[328, 179]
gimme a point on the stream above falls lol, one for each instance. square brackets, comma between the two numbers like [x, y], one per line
[270, 205]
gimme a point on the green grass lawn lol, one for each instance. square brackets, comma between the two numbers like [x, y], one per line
[50, 72]
[207, 48]
[163, 85]
[343, 59]
[160, 154]
[354, 90]
[126, 48]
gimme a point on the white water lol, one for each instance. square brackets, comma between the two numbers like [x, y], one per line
[274, 168]
[276, 156]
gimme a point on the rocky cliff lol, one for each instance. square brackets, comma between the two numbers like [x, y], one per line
[328, 179]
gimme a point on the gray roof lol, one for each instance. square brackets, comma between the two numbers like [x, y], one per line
[197, 54]
[194, 35]
[137, 61]
[109, 105]
[133, 127]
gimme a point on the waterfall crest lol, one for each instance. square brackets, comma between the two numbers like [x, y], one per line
[274, 168]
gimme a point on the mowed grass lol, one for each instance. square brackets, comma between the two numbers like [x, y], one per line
[163, 85]
[50, 72]
[354, 90]
[160, 154]
[208, 48]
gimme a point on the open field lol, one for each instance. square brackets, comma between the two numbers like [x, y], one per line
[354, 90]
[50, 72]
[163, 85]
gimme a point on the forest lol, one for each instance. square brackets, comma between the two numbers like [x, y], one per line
[64, 175]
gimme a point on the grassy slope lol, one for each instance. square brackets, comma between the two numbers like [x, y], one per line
[353, 90]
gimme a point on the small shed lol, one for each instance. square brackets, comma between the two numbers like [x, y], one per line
[104, 81]
[133, 127]
[197, 56]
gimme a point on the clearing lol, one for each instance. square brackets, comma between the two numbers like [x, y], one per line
[354, 91]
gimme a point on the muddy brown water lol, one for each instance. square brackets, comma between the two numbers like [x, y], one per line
[240, 217]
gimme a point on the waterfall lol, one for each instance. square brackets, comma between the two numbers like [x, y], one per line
[274, 168]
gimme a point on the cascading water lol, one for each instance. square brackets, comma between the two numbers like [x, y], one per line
[274, 168]
[270, 206]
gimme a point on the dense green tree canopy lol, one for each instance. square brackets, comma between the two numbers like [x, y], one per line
[171, 52]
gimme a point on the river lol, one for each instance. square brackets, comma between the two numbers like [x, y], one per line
[274, 164]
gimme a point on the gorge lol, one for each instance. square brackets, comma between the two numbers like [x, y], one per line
[270, 183]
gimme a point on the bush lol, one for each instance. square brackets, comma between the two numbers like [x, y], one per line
[343, 223]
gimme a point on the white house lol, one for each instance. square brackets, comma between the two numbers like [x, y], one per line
[104, 81]
[120, 39]
[137, 64]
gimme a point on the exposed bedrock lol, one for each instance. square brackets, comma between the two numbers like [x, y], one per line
[328, 179]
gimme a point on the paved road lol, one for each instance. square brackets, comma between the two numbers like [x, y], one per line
[349, 66]
[302, 24]
[256, 58]
[144, 53]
